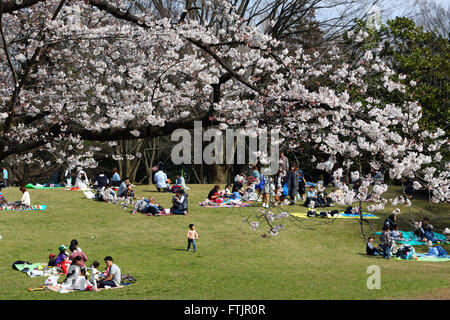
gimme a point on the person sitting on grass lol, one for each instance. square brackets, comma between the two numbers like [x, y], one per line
[227, 191]
[180, 182]
[73, 272]
[25, 201]
[107, 194]
[238, 186]
[113, 277]
[82, 283]
[421, 226]
[95, 274]
[52, 260]
[179, 203]
[214, 194]
[101, 181]
[115, 179]
[428, 234]
[397, 235]
[76, 252]
[161, 181]
[125, 192]
[371, 250]
[323, 199]
[123, 188]
[311, 195]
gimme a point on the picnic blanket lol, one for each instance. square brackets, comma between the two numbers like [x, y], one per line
[226, 204]
[163, 213]
[413, 240]
[340, 215]
[427, 257]
[59, 289]
[39, 186]
[33, 270]
[78, 189]
[33, 207]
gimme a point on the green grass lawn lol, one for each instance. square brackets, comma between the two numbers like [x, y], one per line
[310, 261]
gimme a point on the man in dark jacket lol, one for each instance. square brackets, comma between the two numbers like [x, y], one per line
[292, 182]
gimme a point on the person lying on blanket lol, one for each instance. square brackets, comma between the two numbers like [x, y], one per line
[113, 277]
[153, 207]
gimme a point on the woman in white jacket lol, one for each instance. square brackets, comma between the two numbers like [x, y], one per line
[82, 180]
[25, 202]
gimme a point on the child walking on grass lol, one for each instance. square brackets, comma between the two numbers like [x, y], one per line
[192, 236]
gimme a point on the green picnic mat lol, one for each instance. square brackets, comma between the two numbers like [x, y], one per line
[31, 186]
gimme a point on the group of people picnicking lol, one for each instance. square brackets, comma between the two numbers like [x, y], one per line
[22, 204]
[114, 190]
[72, 264]
[390, 234]
[287, 187]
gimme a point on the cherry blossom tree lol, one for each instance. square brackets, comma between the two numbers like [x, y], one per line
[93, 70]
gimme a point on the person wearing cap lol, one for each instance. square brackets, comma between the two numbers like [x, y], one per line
[62, 254]
[52, 261]
[62, 259]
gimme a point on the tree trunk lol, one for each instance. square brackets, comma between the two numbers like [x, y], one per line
[217, 173]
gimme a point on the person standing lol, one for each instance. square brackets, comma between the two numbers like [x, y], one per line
[292, 182]
[5, 178]
[68, 178]
[114, 277]
[284, 164]
[192, 235]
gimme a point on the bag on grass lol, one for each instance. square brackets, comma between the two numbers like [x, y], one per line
[19, 262]
[285, 190]
[311, 213]
[405, 252]
[334, 212]
[437, 251]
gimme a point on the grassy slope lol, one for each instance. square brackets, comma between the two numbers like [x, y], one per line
[232, 263]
